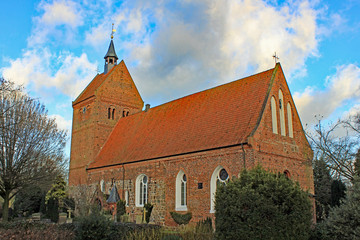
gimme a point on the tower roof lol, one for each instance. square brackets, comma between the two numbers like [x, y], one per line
[111, 51]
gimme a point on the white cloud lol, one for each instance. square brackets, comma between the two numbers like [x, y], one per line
[58, 21]
[35, 68]
[61, 122]
[342, 87]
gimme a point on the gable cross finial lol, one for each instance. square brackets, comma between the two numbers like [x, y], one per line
[276, 58]
[112, 31]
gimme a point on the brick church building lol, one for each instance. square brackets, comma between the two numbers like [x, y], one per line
[173, 155]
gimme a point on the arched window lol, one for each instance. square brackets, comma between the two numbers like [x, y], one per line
[141, 188]
[109, 113]
[180, 192]
[219, 176]
[287, 174]
[282, 114]
[113, 114]
[127, 198]
[290, 123]
[273, 115]
[102, 186]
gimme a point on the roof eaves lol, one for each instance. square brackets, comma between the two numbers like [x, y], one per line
[265, 100]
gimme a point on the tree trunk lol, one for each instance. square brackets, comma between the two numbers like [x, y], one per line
[5, 215]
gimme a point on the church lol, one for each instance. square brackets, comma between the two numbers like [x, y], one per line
[173, 155]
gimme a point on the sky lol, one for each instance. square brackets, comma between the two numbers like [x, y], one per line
[175, 48]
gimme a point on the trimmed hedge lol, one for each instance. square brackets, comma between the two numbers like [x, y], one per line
[181, 219]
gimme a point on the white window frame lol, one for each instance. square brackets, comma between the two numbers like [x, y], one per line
[213, 186]
[282, 114]
[181, 193]
[141, 191]
[273, 115]
[290, 122]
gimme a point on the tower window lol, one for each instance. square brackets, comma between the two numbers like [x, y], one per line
[111, 61]
[113, 114]
[125, 113]
[109, 113]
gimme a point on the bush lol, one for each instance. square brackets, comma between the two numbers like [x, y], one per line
[344, 221]
[262, 205]
[52, 209]
[181, 218]
[121, 207]
[94, 226]
[204, 226]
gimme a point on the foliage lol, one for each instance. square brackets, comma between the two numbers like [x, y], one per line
[322, 184]
[52, 209]
[95, 226]
[149, 207]
[32, 149]
[28, 200]
[262, 205]
[57, 190]
[25, 230]
[146, 234]
[204, 226]
[181, 219]
[338, 189]
[344, 221]
[121, 207]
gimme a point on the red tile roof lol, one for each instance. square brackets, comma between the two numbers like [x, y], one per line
[218, 117]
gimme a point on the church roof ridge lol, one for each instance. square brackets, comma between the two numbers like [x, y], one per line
[221, 116]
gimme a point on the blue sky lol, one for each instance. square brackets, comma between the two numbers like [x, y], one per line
[175, 48]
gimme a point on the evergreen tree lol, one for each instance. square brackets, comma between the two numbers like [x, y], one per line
[322, 183]
[338, 189]
[262, 205]
[344, 221]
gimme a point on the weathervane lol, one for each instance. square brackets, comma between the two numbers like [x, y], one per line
[276, 58]
[112, 31]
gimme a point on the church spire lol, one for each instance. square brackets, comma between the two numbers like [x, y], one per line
[110, 57]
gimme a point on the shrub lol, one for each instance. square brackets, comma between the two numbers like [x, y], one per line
[344, 221]
[181, 218]
[204, 226]
[262, 205]
[94, 226]
[121, 207]
[52, 209]
[148, 207]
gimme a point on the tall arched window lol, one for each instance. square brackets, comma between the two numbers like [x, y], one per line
[109, 113]
[290, 123]
[141, 188]
[102, 185]
[219, 176]
[180, 192]
[282, 113]
[273, 115]
[127, 198]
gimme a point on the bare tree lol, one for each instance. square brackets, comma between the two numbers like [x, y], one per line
[337, 151]
[31, 145]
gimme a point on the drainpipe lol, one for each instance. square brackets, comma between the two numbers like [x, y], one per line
[242, 147]
[123, 191]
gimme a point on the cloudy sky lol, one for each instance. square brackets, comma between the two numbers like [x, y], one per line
[175, 48]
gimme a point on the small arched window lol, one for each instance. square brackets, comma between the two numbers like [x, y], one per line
[180, 192]
[273, 115]
[219, 176]
[125, 112]
[290, 122]
[109, 113]
[141, 196]
[287, 174]
[282, 113]
[113, 114]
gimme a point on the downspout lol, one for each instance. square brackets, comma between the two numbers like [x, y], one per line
[123, 185]
[242, 147]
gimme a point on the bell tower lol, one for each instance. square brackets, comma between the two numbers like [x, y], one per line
[110, 57]
[110, 96]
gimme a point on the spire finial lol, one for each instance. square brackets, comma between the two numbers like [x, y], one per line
[276, 58]
[112, 31]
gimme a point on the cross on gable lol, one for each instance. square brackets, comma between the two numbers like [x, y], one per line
[276, 58]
